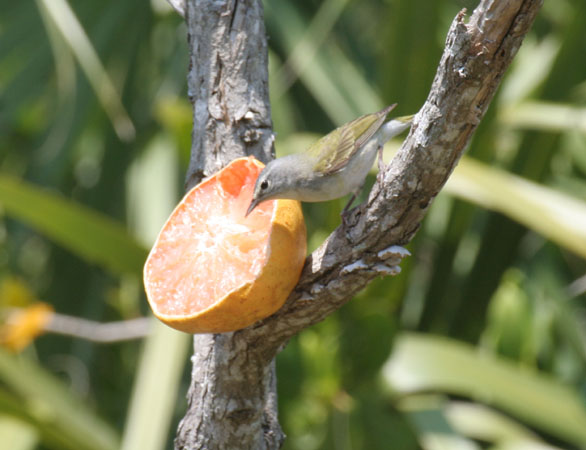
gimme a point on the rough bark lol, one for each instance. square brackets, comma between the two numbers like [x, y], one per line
[227, 84]
[232, 398]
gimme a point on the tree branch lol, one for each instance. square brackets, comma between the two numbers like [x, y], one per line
[474, 61]
[232, 397]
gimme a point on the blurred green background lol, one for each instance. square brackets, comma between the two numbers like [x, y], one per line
[479, 343]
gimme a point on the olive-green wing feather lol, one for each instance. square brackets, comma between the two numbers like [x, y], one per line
[336, 148]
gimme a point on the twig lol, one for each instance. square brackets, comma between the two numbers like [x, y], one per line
[99, 332]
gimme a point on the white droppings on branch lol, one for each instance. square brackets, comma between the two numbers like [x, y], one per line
[385, 270]
[305, 297]
[393, 251]
[357, 265]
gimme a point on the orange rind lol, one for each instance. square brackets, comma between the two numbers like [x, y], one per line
[212, 269]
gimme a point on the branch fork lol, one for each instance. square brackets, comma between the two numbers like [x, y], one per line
[232, 398]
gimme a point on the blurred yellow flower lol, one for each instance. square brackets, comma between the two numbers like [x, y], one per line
[20, 326]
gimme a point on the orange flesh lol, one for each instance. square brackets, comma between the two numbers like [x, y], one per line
[208, 248]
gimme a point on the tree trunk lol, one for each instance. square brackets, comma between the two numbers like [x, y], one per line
[232, 398]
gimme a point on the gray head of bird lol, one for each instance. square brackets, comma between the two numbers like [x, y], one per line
[280, 179]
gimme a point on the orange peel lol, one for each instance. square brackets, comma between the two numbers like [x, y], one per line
[214, 270]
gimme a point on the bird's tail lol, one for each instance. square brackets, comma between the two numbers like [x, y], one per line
[393, 127]
[405, 119]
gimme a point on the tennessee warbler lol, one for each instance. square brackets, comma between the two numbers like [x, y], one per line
[332, 167]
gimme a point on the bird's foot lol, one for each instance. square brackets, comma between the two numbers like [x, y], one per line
[345, 214]
[385, 263]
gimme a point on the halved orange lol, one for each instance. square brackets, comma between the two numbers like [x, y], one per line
[213, 270]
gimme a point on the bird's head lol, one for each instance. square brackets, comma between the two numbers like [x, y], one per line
[277, 180]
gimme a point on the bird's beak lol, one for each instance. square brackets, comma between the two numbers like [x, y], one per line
[253, 204]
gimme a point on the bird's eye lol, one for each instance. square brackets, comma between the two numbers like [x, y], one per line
[264, 184]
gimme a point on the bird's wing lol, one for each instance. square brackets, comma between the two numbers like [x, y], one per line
[346, 141]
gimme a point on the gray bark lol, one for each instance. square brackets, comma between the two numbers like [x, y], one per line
[232, 398]
[227, 84]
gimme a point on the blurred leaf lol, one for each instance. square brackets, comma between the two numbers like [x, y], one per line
[423, 363]
[90, 235]
[63, 420]
[464, 424]
[574, 143]
[73, 33]
[488, 425]
[335, 81]
[508, 323]
[529, 70]
[545, 116]
[433, 427]
[154, 395]
[304, 52]
[555, 215]
[164, 351]
[375, 423]
[149, 203]
[17, 434]
[175, 115]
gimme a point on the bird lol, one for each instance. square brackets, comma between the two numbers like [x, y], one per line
[332, 167]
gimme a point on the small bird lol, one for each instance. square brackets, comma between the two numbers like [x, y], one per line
[332, 167]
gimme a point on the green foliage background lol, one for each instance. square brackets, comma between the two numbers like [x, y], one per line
[479, 343]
